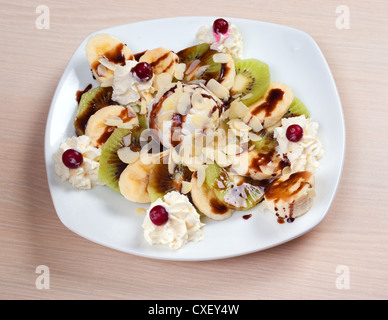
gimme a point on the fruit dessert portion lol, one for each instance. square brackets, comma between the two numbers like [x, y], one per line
[199, 134]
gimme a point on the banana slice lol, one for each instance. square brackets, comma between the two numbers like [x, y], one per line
[259, 166]
[292, 195]
[275, 103]
[228, 71]
[101, 124]
[104, 52]
[229, 74]
[207, 203]
[134, 180]
[161, 60]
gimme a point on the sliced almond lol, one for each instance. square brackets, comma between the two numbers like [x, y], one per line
[171, 164]
[107, 64]
[192, 66]
[237, 110]
[184, 103]
[201, 175]
[238, 125]
[126, 155]
[180, 71]
[188, 88]
[186, 187]
[101, 70]
[221, 58]
[163, 81]
[218, 89]
[253, 122]
[254, 137]
[200, 71]
[222, 159]
[127, 140]
[170, 103]
[247, 96]
[197, 100]
[200, 121]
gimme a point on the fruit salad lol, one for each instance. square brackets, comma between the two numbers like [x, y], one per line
[198, 134]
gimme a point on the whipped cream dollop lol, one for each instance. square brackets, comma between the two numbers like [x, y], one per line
[126, 87]
[85, 176]
[303, 155]
[230, 42]
[183, 223]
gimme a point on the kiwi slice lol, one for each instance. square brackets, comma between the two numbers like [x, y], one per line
[162, 182]
[204, 54]
[91, 101]
[267, 143]
[235, 192]
[111, 166]
[252, 80]
[296, 109]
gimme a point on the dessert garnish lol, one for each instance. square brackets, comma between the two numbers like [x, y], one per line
[294, 133]
[143, 71]
[220, 26]
[72, 158]
[159, 215]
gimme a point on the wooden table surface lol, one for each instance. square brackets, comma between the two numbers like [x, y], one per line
[351, 241]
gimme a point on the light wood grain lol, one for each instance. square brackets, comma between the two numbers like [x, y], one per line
[354, 233]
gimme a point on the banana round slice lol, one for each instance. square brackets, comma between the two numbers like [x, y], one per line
[101, 124]
[161, 60]
[134, 180]
[229, 74]
[259, 166]
[207, 203]
[292, 195]
[275, 103]
[104, 52]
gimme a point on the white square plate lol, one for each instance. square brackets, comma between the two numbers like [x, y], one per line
[107, 218]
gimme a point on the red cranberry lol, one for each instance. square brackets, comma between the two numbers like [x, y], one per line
[143, 71]
[72, 158]
[159, 215]
[294, 133]
[220, 26]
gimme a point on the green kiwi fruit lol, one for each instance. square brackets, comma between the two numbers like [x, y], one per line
[162, 182]
[296, 109]
[90, 102]
[111, 166]
[236, 192]
[252, 80]
[203, 53]
[267, 143]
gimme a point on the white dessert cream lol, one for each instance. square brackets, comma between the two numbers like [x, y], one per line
[126, 87]
[303, 155]
[231, 42]
[85, 176]
[183, 223]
